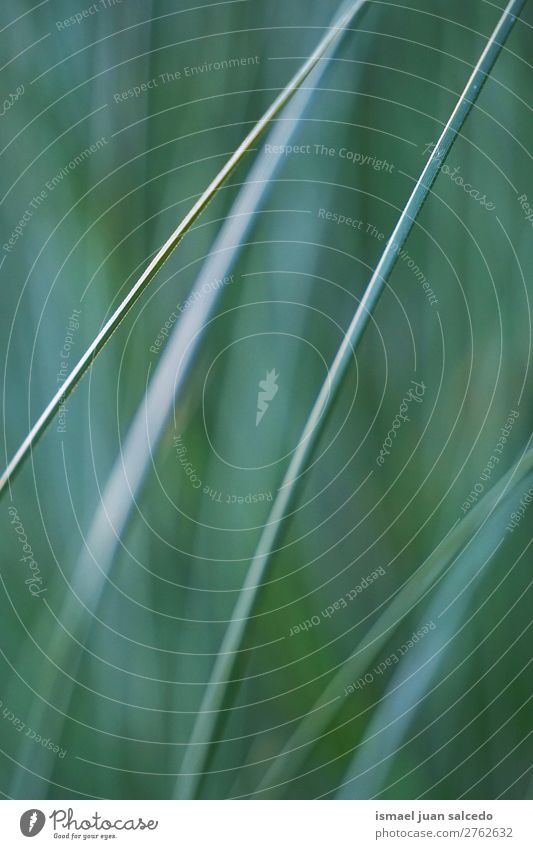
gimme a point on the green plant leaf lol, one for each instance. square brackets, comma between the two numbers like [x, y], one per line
[465, 540]
[218, 694]
[101, 339]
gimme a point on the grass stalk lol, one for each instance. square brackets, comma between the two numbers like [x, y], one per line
[219, 690]
[93, 565]
[462, 540]
[332, 34]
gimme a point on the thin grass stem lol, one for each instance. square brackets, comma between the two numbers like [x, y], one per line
[221, 685]
[93, 565]
[85, 362]
[462, 541]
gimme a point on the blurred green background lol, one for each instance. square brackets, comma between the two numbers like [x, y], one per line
[110, 666]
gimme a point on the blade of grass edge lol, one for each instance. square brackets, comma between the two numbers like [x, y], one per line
[414, 681]
[217, 696]
[334, 31]
[128, 472]
[419, 585]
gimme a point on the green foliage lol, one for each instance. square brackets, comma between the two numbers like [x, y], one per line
[128, 633]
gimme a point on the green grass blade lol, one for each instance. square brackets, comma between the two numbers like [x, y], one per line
[125, 480]
[81, 367]
[218, 693]
[423, 580]
[392, 715]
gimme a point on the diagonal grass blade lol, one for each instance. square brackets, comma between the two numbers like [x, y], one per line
[463, 540]
[331, 36]
[218, 693]
[126, 477]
